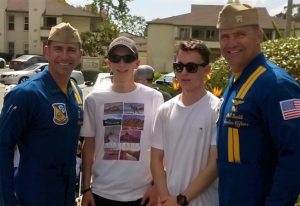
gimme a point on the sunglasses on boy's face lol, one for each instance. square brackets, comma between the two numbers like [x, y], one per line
[190, 67]
[126, 58]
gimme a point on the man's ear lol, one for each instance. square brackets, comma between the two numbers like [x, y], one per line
[260, 36]
[107, 62]
[207, 69]
[137, 64]
[46, 51]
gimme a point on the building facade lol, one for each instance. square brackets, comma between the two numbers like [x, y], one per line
[25, 24]
[164, 35]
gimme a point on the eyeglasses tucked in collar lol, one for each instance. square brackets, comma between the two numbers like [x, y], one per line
[190, 67]
[126, 58]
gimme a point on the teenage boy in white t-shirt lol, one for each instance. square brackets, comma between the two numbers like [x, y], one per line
[117, 128]
[185, 135]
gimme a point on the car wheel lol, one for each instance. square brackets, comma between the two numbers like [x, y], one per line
[23, 79]
[2, 65]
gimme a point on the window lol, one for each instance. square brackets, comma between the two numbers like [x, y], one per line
[26, 48]
[268, 35]
[211, 35]
[26, 23]
[197, 34]
[11, 47]
[11, 23]
[184, 33]
[50, 21]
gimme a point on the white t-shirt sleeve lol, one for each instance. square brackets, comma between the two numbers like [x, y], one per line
[88, 127]
[157, 140]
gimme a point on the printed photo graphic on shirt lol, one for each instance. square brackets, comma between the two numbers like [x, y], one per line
[111, 120]
[130, 136]
[60, 116]
[130, 122]
[123, 123]
[112, 134]
[111, 154]
[113, 108]
[132, 155]
[133, 108]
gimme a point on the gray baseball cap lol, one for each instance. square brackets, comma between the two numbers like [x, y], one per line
[123, 41]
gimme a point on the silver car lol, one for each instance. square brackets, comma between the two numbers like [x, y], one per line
[17, 77]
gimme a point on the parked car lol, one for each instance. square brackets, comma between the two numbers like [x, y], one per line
[166, 79]
[103, 80]
[26, 60]
[2, 63]
[17, 77]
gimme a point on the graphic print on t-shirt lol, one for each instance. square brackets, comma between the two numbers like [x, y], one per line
[123, 123]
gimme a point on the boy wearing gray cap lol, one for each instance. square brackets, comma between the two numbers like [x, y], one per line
[117, 129]
[43, 117]
[258, 126]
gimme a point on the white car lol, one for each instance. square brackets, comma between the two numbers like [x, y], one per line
[103, 80]
[17, 77]
[166, 79]
[2, 63]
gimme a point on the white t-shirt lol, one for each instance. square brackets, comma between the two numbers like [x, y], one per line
[122, 125]
[185, 134]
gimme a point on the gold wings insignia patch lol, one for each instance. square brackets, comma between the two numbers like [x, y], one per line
[60, 116]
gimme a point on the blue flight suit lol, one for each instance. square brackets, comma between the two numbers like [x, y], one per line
[44, 123]
[258, 140]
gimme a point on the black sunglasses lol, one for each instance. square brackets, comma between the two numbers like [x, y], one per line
[190, 67]
[126, 58]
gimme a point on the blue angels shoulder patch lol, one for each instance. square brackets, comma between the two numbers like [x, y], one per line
[60, 116]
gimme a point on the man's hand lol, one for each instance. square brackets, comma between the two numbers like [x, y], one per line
[88, 199]
[169, 201]
[151, 195]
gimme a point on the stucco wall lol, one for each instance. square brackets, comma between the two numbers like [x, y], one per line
[80, 23]
[19, 36]
[3, 45]
[160, 45]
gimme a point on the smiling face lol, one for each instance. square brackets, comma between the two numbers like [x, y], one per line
[239, 46]
[123, 66]
[62, 58]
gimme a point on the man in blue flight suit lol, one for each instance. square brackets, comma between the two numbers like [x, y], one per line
[259, 120]
[43, 117]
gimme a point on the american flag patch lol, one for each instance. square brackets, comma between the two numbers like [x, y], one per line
[290, 108]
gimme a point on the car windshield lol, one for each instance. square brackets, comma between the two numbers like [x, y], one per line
[167, 78]
[32, 67]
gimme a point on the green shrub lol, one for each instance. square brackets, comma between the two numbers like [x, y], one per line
[219, 75]
[285, 53]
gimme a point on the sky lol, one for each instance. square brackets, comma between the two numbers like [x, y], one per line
[152, 9]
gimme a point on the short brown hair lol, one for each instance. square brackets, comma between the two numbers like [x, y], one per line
[196, 45]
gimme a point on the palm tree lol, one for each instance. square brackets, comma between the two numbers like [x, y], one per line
[288, 18]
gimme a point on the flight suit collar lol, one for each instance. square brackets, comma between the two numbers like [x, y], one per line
[51, 84]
